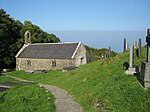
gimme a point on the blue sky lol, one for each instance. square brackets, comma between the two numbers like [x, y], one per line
[84, 15]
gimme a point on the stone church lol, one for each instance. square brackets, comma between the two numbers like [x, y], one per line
[50, 56]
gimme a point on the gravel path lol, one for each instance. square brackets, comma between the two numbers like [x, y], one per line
[63, 102]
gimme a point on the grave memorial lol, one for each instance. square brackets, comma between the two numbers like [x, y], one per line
[139, 48]
[145, 66]
[124, 46]
[135, 44]
[109, 52]
[132, 69]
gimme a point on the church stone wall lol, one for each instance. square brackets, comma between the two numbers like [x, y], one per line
[43, 64]
[80, 56]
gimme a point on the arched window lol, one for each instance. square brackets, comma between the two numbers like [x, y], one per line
[28, 62]
[53, 63]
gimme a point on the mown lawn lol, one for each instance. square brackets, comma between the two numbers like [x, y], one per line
[99, 86]
[25, 98]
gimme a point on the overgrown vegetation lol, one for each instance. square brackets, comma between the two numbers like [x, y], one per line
[100, 85]
[12, 38]
[25, 98]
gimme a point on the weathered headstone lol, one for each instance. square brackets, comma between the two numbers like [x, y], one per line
[127, 46]
[124, 46]
[131, 55]
[109, 52]
[139, 48]
[132, 69]
[145, 66]
[135, 44]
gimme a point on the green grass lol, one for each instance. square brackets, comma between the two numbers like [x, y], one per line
[6, 79]
[25, 98]
[101, 83]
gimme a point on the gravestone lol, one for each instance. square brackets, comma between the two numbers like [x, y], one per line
[139, 48]
[127, 46]
[109, 52]
[124, 46]
[145, 66]
[135, 44]
[132, 69]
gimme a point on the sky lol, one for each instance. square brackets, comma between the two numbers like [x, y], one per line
[97, 23]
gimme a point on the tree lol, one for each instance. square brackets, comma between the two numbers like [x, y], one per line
[9, 33]
[38, 35]
[12, 38]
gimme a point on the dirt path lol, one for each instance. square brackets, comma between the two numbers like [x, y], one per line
[63, 102]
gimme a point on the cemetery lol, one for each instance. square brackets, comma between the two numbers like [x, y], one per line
[40, 73]
[97, 86]
[142, 71]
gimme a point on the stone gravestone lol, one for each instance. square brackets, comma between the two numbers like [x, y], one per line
[109, 52]
[124, 46]
[135, 44]
[145, 66]
[132, 69]
[139, 48]
[127, 46]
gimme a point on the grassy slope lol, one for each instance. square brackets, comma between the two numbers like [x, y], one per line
[102, 82]
[27, 98]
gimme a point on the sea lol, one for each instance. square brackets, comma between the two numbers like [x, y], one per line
[102, 39]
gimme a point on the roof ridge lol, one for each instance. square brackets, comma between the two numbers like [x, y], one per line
[54, 43]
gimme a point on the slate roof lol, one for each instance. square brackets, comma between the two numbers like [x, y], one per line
[49, 51]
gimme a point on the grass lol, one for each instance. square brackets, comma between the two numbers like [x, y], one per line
[100, 85]
[6, 79]
[25, 98]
